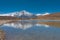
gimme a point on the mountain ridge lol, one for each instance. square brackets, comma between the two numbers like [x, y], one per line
[24, 15]
[54, 16]
[23, 12]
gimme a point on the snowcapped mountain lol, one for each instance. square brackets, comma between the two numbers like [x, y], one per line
[23, 14]
[17, 13]
[42, 14]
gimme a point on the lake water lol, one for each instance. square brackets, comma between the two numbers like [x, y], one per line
[31, 30]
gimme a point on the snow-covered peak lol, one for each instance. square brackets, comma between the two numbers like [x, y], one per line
[46, 14]
[42, 14]
[38, 14]
[23, 12]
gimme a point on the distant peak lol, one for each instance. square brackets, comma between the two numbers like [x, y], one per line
[39, 14]
[25, 12]
[46, 14]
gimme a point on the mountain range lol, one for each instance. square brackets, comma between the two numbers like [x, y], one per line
[23, 12]
[27, 15]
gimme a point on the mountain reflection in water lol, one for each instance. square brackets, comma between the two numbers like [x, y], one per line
[23, 25]
[23, 30]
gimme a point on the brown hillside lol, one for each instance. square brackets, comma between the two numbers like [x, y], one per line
[8, 18]
[54, 16]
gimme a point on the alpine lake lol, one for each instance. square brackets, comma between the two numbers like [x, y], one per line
[32, 30]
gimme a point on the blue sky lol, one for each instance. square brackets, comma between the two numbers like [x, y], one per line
[34, 6]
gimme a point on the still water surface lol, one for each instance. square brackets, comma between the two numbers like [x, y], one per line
[25, 30]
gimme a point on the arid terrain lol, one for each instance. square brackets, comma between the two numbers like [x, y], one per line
[55, 24]
[2, 35]
[54, 16]
[5, 19]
